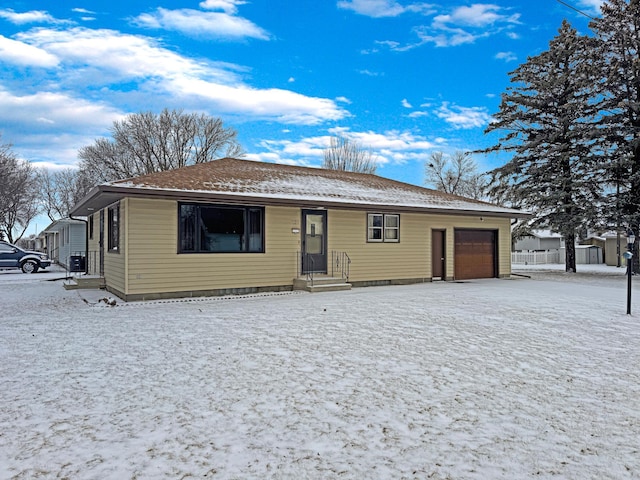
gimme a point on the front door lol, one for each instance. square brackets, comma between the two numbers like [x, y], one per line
[314, 241]
[437, 254]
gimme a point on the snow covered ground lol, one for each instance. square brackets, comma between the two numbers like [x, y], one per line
[514, 378]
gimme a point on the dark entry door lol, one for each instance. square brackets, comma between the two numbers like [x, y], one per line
[101, 244]
[437, 254]
[314, 241]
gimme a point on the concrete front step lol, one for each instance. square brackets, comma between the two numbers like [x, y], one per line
[77, 283]
[321, 283]
[328, 287]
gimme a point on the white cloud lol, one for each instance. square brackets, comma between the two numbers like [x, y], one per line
[451, 37]
[273, 103]
[388, 147]
[196, 23]
[373, 8]
[383, 8]
[33, 16]
[476, 15]
[51, 127]
[369, 73]
[463, 117]
[592, 5]
[106, 57]
[462, 25]
[291, 80]
[506, 56]
[227, 6]
[50, 109]
[83, 10]
[406, 104]
[20, 53]
[390, 141]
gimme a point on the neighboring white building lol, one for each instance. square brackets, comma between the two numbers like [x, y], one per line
[540, 240]
[545, 246]
[66, 241]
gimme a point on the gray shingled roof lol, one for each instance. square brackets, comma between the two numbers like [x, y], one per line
[246, 181]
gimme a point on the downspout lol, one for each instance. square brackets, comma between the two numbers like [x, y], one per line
[86, 243]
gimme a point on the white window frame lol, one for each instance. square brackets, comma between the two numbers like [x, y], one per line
[396, 228]
[384, 229]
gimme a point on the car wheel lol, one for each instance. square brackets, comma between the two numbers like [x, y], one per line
[30, 266]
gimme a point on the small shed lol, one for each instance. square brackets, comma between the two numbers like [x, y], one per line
[615, 244]
[588, 254]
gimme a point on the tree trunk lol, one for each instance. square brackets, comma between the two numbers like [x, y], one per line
[570, 251]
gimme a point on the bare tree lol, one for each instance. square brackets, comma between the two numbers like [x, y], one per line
[347, 155]
[61, 190]
[147, 142]
[457, 174]
[18, 195]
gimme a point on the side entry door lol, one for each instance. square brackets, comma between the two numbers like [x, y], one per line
[438, 254]
[314, 241]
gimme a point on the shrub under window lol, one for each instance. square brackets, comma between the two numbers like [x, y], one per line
[220, 229]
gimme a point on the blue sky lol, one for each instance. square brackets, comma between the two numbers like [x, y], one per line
[402, 78]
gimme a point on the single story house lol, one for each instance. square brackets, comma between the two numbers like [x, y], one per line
[240, 226]
[588, 254]
[65, 241]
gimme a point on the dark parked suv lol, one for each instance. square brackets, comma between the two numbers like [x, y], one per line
[15, 257]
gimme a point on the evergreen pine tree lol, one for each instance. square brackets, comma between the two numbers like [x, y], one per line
[548, 112]
[617, 55]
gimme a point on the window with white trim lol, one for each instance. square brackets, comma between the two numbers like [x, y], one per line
[383, 227]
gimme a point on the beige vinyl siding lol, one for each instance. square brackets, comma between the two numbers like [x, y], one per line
[149, 264]
[115, 262]
[409, 259]
[156, 267]
[375, 261]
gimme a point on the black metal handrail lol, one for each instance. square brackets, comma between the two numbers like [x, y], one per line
[306, 266]
[340, 263]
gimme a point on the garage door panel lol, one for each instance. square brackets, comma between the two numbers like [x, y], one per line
[475, 254]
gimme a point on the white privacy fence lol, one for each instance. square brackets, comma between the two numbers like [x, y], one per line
[535, 258]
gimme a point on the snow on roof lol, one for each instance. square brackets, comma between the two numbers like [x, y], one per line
[545, 234]
[246, 178]
[61, 223]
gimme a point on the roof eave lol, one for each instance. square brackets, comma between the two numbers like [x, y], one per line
[105, 195]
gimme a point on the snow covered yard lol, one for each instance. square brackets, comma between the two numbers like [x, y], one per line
[483, 379]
